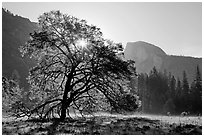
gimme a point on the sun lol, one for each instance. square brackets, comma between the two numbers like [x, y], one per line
[82, 43]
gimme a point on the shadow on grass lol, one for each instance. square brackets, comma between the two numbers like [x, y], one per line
[99, 125]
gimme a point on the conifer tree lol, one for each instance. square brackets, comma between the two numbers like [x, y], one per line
[196, 90]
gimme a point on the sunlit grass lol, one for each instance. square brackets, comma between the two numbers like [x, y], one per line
[106, 123]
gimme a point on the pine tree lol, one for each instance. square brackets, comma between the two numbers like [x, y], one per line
[185, 83]
[178, 87]
[178, 95]
[197, 93]
[173, 86]
[185, 93]
[142, 91]
[198, 80]
[158, 86]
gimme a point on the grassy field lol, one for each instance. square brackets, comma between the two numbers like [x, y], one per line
[106, 124]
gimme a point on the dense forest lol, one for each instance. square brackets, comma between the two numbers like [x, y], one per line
[162, 93]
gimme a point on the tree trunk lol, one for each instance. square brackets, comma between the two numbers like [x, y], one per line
[65, 102]
[63, 111]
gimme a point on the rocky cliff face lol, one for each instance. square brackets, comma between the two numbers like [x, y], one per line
[146, 56]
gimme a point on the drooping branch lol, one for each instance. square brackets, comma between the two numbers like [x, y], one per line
[70, 72]
[51, 109]
[44, 104]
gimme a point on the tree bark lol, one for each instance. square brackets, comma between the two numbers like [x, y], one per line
[65, 102]
[63, 111]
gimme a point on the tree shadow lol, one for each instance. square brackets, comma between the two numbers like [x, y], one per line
[52, 128]
[99, 125]
[49, 129]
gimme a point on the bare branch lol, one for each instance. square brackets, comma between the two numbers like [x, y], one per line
[48, 102]
[51, 109]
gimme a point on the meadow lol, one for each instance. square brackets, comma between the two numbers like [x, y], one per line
[106, 124]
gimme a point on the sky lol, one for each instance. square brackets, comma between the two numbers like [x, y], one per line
[174, 27]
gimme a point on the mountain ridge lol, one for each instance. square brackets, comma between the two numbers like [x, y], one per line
[146, 56]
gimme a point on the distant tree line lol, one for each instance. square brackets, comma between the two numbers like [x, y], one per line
[160, 92]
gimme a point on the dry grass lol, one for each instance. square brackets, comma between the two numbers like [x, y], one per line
[106, 124]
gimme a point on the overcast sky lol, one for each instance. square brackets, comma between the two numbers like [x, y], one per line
[174, 27]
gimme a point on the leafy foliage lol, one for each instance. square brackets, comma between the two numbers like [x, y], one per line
[129, 102]
[13, 98]
[69, 73]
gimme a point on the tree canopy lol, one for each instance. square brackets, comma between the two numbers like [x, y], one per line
[75, 63]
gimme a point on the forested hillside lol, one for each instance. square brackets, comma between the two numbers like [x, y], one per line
[15, 32]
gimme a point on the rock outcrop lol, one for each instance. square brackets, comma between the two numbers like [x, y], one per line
[147, 55]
